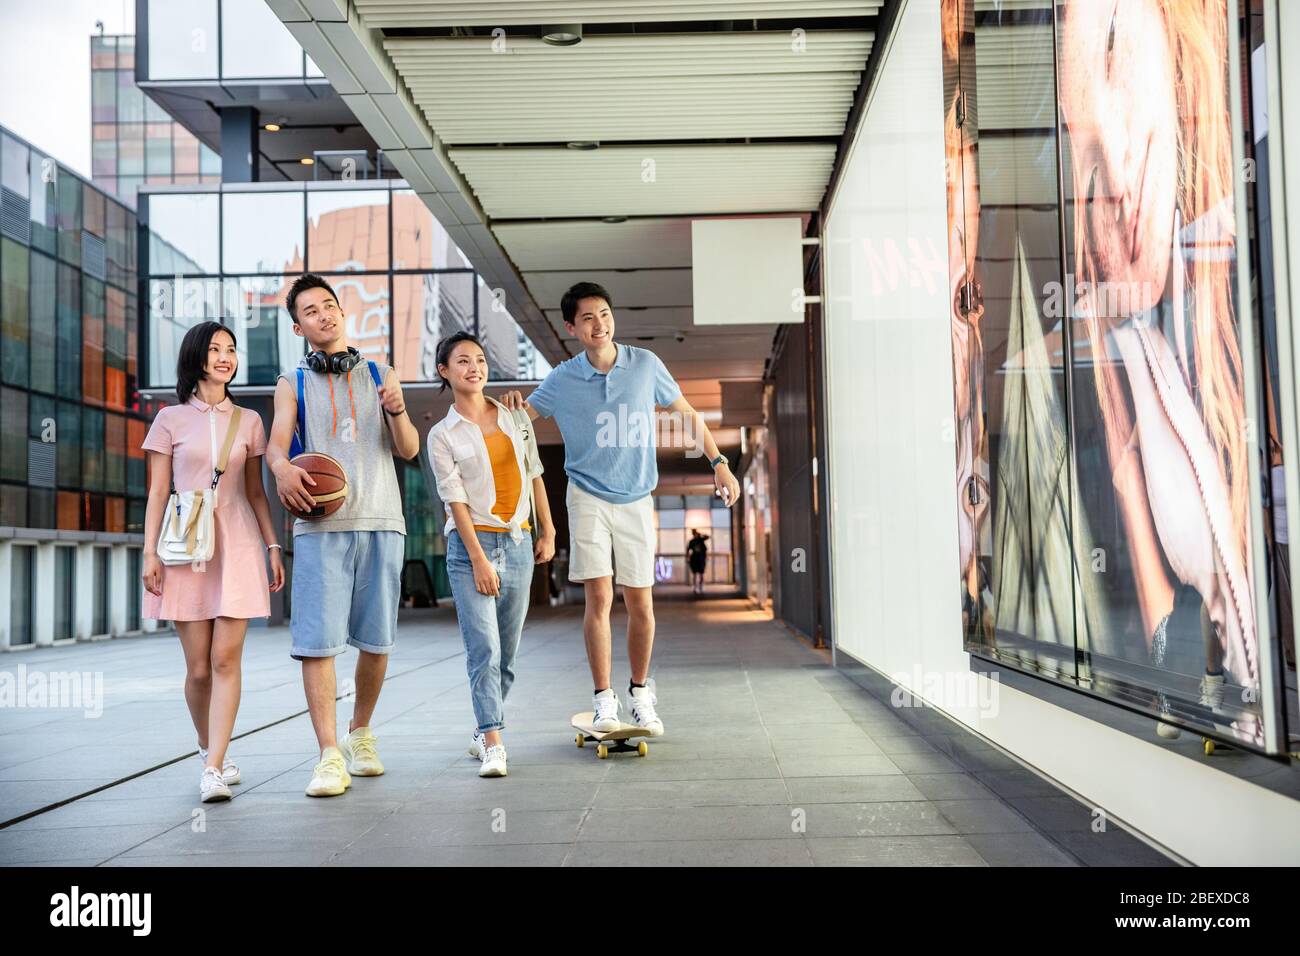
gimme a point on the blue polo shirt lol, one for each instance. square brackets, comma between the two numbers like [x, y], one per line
[608, 420]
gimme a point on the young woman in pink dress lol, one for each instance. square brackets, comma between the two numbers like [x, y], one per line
[210, 604]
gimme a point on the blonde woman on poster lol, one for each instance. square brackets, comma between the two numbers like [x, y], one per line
[1143, 97]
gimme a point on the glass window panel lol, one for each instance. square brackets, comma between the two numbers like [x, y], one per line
[68, 322]
[262, 233]
[136, 482]
[419, 241]
[44, 203]
[65, 587]
[103, 96]
[14, 174]
[256, 313]
[92, 331]
[668, 502]
[173, 308]
[13, 435]
[68, 452]
[698, 518]
[93, 210]
[158, 149]
[209, 160]
[15, 339]
[69, 194]
[182, 39]
[721, 516]
[115, 455]
[347, 231]
[427, 308]
[40, 508]
[13, 513]
[184, 232]
[22, 584]
[254, 43]
[672, 518]
[92, 449]
[69, 508]
[44, 332]
[130, 152]
[699, 501]
[672, 541]
[115, 348]
[103, 156]
[130, 101]
[510, 354]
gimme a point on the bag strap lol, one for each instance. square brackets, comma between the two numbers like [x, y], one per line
[531, 456]
[224, 458]
[374, 373]
[298, 445]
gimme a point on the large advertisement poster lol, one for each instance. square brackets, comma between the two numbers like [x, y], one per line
[1102, 434]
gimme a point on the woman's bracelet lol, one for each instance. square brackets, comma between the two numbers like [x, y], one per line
[270, 546]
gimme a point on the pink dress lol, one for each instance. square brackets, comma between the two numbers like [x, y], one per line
[234, 583]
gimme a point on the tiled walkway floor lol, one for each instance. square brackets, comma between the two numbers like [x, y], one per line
[771, 758]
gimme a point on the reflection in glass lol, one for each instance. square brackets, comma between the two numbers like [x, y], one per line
[182, 39]
[262, 232]
[183, 233]
[347, 231]
[429, 307]
[254, 43]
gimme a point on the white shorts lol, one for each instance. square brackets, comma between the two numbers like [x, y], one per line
[605, 538]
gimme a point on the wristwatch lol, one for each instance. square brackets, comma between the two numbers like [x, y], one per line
[720, 460]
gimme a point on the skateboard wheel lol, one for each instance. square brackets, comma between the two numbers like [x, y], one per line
[1209, 746]
[579, 740]
[602, 751]
[642, 748]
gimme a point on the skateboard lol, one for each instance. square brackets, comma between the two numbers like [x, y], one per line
[609, 741]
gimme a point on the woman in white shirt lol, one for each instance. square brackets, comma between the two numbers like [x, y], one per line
[482, 463]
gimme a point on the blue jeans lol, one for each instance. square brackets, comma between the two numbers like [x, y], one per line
[491, 626]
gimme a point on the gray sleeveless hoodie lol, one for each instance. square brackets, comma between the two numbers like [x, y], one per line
[363, 447]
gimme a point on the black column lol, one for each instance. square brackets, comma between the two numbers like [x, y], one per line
[239, 144]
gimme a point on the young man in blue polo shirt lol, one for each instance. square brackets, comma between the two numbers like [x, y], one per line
[603, 400]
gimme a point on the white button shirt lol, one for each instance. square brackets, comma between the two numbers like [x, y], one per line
[463, 470]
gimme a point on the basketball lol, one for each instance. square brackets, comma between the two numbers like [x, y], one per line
[331, 488]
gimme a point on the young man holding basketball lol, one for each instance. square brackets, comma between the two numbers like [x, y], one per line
[347, 566]
[603, 400]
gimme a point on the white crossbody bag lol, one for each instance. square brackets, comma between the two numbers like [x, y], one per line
[188, 532]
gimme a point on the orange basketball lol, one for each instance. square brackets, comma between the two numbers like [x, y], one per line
[331, 488]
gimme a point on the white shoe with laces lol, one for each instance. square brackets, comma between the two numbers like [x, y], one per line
[212, 787]
[494, 762]
[229, 772]
[478, 745]
[1212, 688]
[605, 704]
[642, 704]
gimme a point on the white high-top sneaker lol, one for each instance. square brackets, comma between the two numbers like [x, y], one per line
[605, 705]
[642, 704]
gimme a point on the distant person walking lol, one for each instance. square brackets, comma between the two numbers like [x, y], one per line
[211, 601]
[697, 557]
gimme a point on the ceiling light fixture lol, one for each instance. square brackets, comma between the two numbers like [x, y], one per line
[583, 145]
[614, 219]
[307, 161]
[272, 127]
[563, 34]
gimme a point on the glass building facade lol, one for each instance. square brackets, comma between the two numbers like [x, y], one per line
[70, 422]
[133, 140]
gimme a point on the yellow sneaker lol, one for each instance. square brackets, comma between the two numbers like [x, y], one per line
[330, 778]
[359, 749]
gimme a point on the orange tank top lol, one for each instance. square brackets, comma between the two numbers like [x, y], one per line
[505, 475]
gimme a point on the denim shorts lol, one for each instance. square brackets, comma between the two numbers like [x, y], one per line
[346, 588]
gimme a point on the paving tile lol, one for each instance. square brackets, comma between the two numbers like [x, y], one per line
[895, 851]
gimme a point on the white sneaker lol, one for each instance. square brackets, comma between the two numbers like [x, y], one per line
[1167, 731]
[229, 772]
[478, 745]
[212, 787]
[642, 704]
[605, 705]
[1212, 687]
[358, 750]
[330, 777]
[494, 762]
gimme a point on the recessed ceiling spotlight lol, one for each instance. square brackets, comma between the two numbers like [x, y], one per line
[307, 161]
[614, 219]
[584, 144]
[272, 127]
[563, 34]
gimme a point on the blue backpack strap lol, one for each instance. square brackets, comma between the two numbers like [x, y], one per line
[374, 373]
[296, 446]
